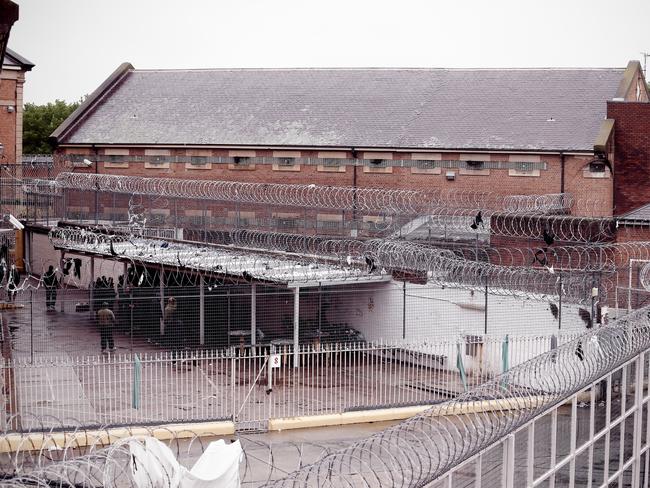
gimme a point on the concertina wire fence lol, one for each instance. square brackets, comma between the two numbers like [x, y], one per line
[413, 453]
[524, 216]
[353, 259]
[425, 447]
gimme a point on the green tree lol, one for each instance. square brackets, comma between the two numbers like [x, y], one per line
[39, 121]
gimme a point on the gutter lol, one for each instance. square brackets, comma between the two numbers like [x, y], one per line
[568, 152]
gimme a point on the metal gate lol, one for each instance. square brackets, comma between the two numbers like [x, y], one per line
[250, 384]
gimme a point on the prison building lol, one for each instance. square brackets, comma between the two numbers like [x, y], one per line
[507, 131]
[12, 79]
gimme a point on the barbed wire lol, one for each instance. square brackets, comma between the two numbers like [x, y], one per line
[427, 446]
[393, 201]
[443, 210]
[597, 257]
[413, 453]
[259, 255]
[103, 456]
[229, 262]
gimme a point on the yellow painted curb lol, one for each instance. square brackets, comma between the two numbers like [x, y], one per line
[84, 438]
[358, 417]
[402, 413]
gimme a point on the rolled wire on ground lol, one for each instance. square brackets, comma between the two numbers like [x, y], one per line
[424, 448]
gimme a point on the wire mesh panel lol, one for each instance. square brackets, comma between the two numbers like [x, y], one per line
[251, 385]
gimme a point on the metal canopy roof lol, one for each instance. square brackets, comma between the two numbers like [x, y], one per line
[246, 265]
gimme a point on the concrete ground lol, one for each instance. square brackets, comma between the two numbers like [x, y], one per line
[88, 388]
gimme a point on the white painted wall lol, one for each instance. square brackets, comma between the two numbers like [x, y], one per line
[436, 313]
[433, 315]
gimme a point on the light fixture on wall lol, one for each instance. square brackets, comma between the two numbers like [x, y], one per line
[599, 163]
[11, 109]
[17, 224]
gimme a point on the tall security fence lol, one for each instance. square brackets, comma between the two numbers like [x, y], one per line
[498, 434]
[251, 385]
[63, 322]
[576, 415]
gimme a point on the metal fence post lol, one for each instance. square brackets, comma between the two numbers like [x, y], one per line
[508, 478]
[636, 439]
[232, 389]
[31, 325]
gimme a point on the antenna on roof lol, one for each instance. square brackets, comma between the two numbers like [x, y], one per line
[645, 64]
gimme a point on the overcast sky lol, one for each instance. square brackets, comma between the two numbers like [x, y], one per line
[76, 44]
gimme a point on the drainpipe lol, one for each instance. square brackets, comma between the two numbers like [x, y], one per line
[354, 193]
[96, 154]
[562, 162]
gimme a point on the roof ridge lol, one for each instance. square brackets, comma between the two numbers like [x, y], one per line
[374, 68]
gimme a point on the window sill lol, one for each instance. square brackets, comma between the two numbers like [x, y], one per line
[330, 169]
[426, 171]
[473, 172]
[116, 165]
[293, 167]
[380, 170]
[190, 166]
[241, 167]
[516, 172]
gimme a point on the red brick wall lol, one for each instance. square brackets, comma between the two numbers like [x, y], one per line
[8, 121]
[598, 191]
[631, 153]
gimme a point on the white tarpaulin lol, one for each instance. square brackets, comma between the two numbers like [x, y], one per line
[153, 465]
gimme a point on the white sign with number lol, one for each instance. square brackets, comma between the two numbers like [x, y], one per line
[275, 360]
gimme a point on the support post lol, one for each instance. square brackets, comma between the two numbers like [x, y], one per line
[404, 310]
[228, 318]
[254, 314]
[559, 308]
[629, 286]
[296, 326]
[91, 287]
[485, 328]
[638, 414]
[201, 310]
[161, 284]
[63, 283]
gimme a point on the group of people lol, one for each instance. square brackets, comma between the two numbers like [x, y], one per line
[104, 299]
[104, 291]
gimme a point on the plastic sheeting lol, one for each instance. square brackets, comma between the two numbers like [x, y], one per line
[153, 465]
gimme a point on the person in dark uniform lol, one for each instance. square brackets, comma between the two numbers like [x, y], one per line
[51, 284]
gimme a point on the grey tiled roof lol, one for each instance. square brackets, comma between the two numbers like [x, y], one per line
[544, 109]
[12, 58]
[640, 213]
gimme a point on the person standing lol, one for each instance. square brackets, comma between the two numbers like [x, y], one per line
[51, 284]
[106, 322]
